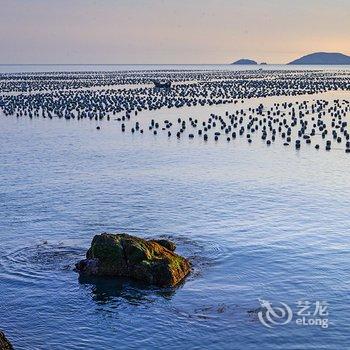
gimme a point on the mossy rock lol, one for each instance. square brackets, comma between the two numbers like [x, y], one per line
[166, 243]
[4, 342]
[122, 255]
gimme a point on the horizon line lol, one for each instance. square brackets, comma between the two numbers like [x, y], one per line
[123, 64]
[158, 64]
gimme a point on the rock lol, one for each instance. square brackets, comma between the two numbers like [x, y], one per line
[165, 243]
[4, 342]
[123, 255]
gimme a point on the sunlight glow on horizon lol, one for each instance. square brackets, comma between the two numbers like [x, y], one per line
[165, 31]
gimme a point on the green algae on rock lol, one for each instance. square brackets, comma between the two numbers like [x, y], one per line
[123, 255]
[165, 243]
[4, 342]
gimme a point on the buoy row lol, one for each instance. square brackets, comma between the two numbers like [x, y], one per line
[91, 95]
[102, 95]
[318, 122]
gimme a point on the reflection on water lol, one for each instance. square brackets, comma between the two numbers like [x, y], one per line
[117, 290]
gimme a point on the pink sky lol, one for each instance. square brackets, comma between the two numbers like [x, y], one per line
[154, 31]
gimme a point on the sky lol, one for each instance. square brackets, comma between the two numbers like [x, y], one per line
[170, 31]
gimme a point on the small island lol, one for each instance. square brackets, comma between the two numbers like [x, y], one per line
[121, 255]
[245, 61]
[322, 58]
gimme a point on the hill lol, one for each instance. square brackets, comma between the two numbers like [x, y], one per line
[323, 58]
[245, 61]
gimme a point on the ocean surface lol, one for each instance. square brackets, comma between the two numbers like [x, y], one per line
[32, 68]
[257, 222]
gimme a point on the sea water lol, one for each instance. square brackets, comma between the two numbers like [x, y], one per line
[258, 223]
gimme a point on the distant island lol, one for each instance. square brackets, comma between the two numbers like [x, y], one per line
[245, 61]
[317, 58]
[323, 58]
